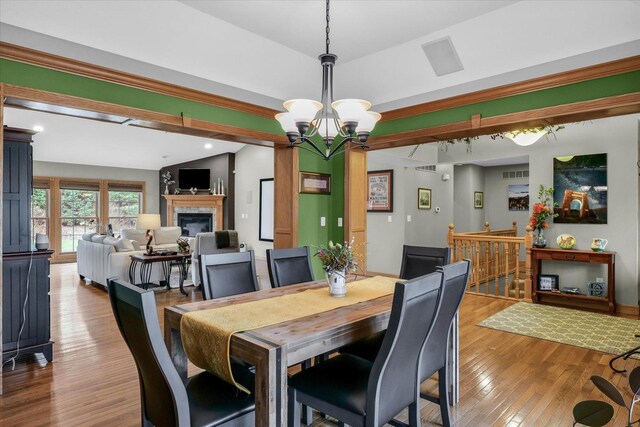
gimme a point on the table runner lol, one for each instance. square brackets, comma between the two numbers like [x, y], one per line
[206, 334]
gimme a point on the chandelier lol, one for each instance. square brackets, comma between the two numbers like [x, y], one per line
[341, 124]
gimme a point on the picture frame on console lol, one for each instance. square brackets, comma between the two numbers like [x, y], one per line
[548, 282]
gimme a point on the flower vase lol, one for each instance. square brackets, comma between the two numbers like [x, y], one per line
[540, 241]
[337, 283]
[166, 189]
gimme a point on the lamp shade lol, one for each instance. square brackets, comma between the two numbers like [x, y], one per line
[148, 222]
[302, 110]
[42, 242]
[525, 139]
[327, 128]
[287, 122]
[351, 110]
[368, 121]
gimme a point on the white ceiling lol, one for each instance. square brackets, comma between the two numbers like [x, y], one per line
[270, 47]
[72, 140]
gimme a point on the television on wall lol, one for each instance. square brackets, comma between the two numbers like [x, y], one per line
[191, 177]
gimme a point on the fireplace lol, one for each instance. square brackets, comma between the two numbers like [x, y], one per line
[194, 223]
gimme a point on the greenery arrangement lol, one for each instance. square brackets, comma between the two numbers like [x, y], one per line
[337, 257]
[541, 210]
[548, 130]
[597, 413]
[167, 181]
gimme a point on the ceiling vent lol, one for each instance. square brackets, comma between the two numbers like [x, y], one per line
[428, 168]
[442, 56]
[515, 174]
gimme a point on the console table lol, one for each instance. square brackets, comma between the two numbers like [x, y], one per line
[575, 300]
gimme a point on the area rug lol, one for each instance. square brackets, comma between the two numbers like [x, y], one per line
[595, 331]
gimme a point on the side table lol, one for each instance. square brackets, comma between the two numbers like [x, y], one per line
[146, 264]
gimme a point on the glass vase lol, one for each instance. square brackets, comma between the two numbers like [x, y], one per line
[540, 241]
[337, 283]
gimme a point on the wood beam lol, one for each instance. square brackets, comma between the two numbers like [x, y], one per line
[355, 203]
[285, 222]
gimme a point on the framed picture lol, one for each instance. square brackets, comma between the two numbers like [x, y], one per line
[518, 195]
[380, 190]
[315, 183]
[265, 225]
[424, 198]
[580, 189]
[548, 282]
[478, 199]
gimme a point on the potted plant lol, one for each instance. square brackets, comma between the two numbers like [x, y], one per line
[541, 212]
[336, 261]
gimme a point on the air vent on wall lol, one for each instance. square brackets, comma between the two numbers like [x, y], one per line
[428, 168]
[442, 56]
[515, 174]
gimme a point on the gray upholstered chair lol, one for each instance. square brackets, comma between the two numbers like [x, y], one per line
[211, 243]
[289, 266]
[167, 400]
[228, 274]
[359, 392]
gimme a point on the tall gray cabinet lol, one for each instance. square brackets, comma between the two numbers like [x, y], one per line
[25, 272]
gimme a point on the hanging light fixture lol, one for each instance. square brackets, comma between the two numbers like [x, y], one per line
[339, 123]
[526, 138]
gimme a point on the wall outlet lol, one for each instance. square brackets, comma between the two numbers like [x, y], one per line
[437, 209]
[389, 218]
[339, 222]
[408, 218]
[323, 221]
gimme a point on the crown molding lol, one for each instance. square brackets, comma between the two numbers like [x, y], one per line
[619, 66]
[85, 69]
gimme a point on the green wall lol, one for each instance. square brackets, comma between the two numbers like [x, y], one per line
[314, 206]
[31, 76]
[619, 84]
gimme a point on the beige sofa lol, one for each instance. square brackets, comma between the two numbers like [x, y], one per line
[100, 258]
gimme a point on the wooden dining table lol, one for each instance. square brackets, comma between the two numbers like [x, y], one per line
[272, 349]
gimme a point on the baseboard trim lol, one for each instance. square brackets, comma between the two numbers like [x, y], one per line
[632, 310]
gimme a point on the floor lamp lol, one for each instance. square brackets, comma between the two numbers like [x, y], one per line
[148, 222]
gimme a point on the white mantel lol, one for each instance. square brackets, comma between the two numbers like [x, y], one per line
[188, 202]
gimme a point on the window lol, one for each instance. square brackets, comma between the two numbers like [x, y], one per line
[78, 215]
[124, 207]
[39, 212]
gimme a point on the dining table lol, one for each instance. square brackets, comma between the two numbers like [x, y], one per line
[273, 349]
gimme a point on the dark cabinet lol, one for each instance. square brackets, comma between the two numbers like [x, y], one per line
[17, 175]
[25, 274]
[25, 277]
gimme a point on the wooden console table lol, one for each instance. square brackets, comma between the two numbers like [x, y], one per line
[576, 300]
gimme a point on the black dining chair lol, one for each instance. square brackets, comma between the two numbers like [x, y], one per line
[435, 354]
[228, 274]
[289, 266]
[167, 400]
[359, 392]
[420, 260]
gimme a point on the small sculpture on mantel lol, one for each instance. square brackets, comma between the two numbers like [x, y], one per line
[193, 190]
[212, 191]
[176, 191]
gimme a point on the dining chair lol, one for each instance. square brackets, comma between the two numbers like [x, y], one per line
[435, 355]
[228, 274]
[359, 392]
[420, 260]
[167, 400]
[289, 266]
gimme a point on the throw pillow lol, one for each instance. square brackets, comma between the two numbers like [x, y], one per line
[120, 245]
[98, 238]
[133, 234]
[88, 236]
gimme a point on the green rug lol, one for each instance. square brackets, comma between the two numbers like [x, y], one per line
[595, 331]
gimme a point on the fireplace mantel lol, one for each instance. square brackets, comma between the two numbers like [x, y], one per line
[195, 201]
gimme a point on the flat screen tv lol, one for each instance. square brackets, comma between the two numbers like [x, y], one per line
[191, 177]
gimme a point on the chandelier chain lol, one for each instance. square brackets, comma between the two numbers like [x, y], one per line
[328, 29]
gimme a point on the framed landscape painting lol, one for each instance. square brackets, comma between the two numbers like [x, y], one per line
[424, 198]
[380, 191]
[580, 189]
[518, 195]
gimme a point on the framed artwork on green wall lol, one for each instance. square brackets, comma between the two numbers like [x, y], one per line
[315, 183]
[424, 198]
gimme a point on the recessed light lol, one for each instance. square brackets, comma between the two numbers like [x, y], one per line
[165, 156]
[38, 128]
[208, 146]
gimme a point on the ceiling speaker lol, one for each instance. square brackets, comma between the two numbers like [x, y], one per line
[442, 56]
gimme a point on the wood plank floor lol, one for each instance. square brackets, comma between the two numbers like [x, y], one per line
[506, 379]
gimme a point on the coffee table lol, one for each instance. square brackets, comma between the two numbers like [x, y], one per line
[146, 264]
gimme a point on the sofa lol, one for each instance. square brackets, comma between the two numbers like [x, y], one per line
[100, 257]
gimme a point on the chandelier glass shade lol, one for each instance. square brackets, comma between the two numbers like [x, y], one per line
[341, 124]
[524, 139]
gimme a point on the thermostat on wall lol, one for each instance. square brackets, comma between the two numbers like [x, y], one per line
[243, 247]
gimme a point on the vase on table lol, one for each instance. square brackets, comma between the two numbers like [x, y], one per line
[540, 241]
[337, 283]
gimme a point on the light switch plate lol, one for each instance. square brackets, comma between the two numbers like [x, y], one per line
[323, 221]
[408, 218]
[389, 218]
[339, 222]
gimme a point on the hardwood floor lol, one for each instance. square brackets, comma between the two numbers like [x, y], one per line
[506, 379]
